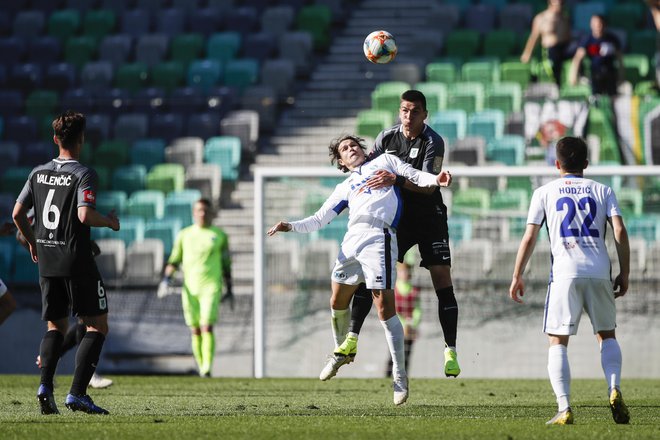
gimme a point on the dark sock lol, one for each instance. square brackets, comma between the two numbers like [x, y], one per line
[87, 356]
[448, 314]
[49, 351]
[73, 337]
[361, 307]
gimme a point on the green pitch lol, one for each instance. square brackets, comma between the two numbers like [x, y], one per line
[160, 408]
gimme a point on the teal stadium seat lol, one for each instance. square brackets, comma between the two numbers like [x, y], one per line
[179, 204]
[14, 179]
[64, 24]
[148, 152]
[79, 50]
[132, 229]
[112, 154]
[164, 229]
[450, 124]
[98, 23]
[508, 149]
[25, 271]
[168, 75]
[226, 152]
[626, 16]
[460, 228]
[129, 178]
[223, 46]
[511, 199]
[487, 123]
[241, 73]
[645, 226]
[643, 41]
[42, 103]
[107, 201]
[204, 74]
[146, 204]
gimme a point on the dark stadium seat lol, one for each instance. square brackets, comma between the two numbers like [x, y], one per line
[45, 50]
[167, 126]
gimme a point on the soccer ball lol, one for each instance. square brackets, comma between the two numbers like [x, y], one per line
[380, 47]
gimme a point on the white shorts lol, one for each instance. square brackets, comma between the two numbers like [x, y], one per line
[367, 255]
[3, 288]
[567, 298]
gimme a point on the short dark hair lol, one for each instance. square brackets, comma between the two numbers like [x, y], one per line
[333, 149]
[414, 96]
[69, 127]
[572, 153]
[205, 202]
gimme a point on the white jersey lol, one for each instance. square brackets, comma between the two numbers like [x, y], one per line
[383, 204]
[576, 211]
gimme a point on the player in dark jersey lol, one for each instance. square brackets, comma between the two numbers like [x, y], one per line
[63, 194]
[424, 219]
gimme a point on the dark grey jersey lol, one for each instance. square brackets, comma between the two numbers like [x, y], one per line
[56, 190]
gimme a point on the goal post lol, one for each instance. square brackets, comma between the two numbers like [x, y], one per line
[291, 193]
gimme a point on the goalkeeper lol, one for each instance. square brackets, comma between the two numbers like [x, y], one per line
[202, 252]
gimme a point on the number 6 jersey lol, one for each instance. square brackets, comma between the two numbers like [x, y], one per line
[576, 211]
[56, 190]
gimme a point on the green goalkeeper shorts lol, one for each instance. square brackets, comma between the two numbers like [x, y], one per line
[200, 308]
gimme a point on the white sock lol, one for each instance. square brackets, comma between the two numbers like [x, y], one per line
[610, 360]
[560, 374]
[340, 321]
[394, 337]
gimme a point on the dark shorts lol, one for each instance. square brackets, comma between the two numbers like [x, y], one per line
[429, 232]
[79, 296]
[603, 82]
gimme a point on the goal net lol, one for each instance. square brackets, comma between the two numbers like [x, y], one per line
[487, 209]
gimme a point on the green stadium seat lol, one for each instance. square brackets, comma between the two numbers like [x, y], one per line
[104, 173]
[578, 92]
[505, 96]
[468, 96]
[41, 103]
[519, 182]
[631, 202]
[442, 72]
[79, 50]
[132, 77]
[501, 44]
[224, 151]
[112, 154]
[488, 124]
[146, 204]
[13, 180]
[387, 96]
[600, 123]
[148, 152]
[508, 149]
[485, 72]
[107, 201]
[315, 19]
[187, 47]
[164, 229]
[510, 199]
[98, 23]
[450, 124]
[515, 71]
[626, 16]
[471, 201]
[242, 73]
[643, 41]
[223, 46]
[129, 178]
[436, 95]
[166, 177]
[64, 24]
[464, 44]
[179, 204]
[637, 67]
[168, 75]
[646, 88]
[372, 122]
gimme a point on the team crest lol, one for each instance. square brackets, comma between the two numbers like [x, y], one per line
[413, 153]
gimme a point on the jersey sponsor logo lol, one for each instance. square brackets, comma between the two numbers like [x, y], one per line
[51, 243]
[413, 153]
[89, 196]
[45, 179]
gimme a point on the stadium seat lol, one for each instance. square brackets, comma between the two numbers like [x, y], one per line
[445, 17]
[463, 44]
[148, 152]
[41, 103]
[387, 96]
[64, 24]
[406, 72]
[117, 6]
[9, 154]
[484, 72]
[116, 49]
[516, 17]
[470, 150]
[441, 72]
[132, 76]
[260, 46]
[146, 204]
[28, 24]
[460, 227]
[277, 19]
[97, 127]
[149, 100]
[471, 201]
[515, 71]
[468, 96]
[450, 124]
[204, 125]
[583, 11]
[165, 230]
[637, 67]
[185, 154]
[280, 75]
[631, 201]
[13, 49]
[166, 126]
[129, 178]
[166, 177]
[207, 179]
[171, 21]
[112, 154]
[6, 247]
[243, 124]
[297, 47]
[371, 122]
[541, 92]
[179, 204]
[223, 46]
[224, 151]
[135, 22]
[79, 50]
[487, 123]
[111, 261]
[11, 102]
[25, 272]
[481, 17]
[96, 76]
[501, 44]
[130, 127]
[60, 77]
[504, 96]
[37, 153]
[241, 73]
[132, 229]
[578, 92]
[22, 129]
[168, 75]
[151, 49]
[187, 100]
[242, 19]
[510, 199]
[44, 50]
[98, 23]
[114, 200]
[315, 19]
[186, 48]
[646, 227]
[14, 179]
[113, 101]
[508, 149]
[25, 77]
[436, 95]
[204, 74]
[262, 100]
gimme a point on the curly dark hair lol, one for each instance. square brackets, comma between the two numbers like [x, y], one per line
[333, 149]
[69, 127]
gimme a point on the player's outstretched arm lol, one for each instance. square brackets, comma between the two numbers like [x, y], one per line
[279, 227]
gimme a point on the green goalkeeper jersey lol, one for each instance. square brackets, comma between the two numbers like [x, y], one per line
[203, 255]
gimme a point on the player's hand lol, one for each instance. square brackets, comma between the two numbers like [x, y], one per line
[381, 179]
[444, 178]
[620, 286]
[279, 227]
[7, 228]
[33, 253]
[228, 297]
[517, 290]
[163, 288]
[114, 220]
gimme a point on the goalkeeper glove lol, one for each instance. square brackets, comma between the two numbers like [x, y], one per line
[164, 287]
[228, 296]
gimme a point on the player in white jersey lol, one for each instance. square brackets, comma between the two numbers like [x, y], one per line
[575, 211]
[369, 250]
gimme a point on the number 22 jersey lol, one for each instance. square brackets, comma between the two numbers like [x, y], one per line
[56, 190]
[576, 211]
